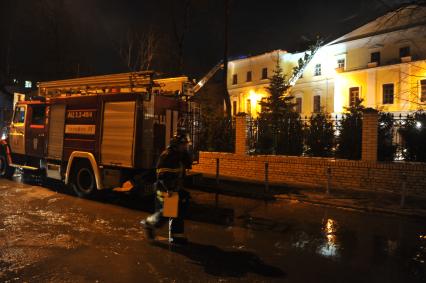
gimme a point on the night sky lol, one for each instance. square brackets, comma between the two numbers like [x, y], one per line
[85, 35]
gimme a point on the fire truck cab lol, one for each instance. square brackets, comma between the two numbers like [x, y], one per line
[97, 133]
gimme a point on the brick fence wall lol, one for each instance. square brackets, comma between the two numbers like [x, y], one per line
[312, 172]
[370, 124]
[365, 174]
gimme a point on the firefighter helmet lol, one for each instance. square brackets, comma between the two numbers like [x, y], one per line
[178, 139]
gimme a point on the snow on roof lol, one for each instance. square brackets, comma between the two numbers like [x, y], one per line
[244, 58]
[399, 19]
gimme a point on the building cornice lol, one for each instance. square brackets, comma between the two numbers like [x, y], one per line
[382, 67]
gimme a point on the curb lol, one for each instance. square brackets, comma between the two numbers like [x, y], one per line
[407, 212]
[231, 193]
[400, 212]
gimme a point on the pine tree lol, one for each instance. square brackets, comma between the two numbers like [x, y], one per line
[413, 133]
[320, 135]
[350, 138]
[386, 149]
[216, 130]
[280, 128]
[277, 103]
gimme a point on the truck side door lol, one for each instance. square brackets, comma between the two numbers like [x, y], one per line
[17, 130]
[35, 130]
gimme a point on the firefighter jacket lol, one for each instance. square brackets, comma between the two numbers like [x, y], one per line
[171, 168]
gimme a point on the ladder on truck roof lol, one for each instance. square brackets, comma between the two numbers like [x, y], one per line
[97, 84]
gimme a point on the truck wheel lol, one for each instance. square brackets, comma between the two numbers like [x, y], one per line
[83, 180]
[5, 170]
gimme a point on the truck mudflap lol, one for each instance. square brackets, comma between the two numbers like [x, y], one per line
[125, 187]
[142, 183]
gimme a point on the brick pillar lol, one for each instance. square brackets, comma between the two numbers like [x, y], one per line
[241, 134]
[369, 134]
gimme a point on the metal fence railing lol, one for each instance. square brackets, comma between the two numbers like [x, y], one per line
[397, 140]
[295, 130]
[401, 137]
[409, 136]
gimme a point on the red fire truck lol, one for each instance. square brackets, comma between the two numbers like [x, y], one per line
[99, 132]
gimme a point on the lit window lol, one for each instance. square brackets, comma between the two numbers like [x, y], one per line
[28, 84]
[317, 103]
[234, 79]
[375, 57]
[298, 106]
[404, 51]
[249, 76]
[353, 96]
[317, 70]
[388, 93]
[264, 73]
[341, 63]
[423, 90]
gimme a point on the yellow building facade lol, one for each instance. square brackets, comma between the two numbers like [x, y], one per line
[382, 62]
[248, 79]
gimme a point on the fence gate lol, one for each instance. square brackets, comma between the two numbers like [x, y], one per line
[189, 121]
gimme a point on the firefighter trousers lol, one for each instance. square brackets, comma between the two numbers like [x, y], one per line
[176, 225]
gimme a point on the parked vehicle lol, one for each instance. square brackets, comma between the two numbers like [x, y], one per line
[97, 133]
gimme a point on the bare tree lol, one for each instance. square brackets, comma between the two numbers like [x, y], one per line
[410, 94]
[139, 48]
[7, 27]
[180, 29]
[408, 12]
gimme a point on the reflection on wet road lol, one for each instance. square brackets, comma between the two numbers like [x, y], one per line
[47, 235]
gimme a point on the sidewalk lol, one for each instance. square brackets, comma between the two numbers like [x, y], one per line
[369, 201]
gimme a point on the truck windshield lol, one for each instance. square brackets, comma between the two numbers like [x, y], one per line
[19, 116]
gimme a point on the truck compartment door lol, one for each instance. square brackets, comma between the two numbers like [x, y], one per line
[118, 135]
[56, 132]
[35, 140]
[17, 130]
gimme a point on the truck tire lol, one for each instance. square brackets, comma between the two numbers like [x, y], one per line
[83, 180]
[5, 170]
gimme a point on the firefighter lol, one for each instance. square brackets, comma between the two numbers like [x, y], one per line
[171, 167]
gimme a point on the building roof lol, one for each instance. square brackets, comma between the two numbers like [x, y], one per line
[400, 19]
[243, 58]
[405, 17]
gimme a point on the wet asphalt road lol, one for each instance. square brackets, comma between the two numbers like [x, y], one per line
[48, 235]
